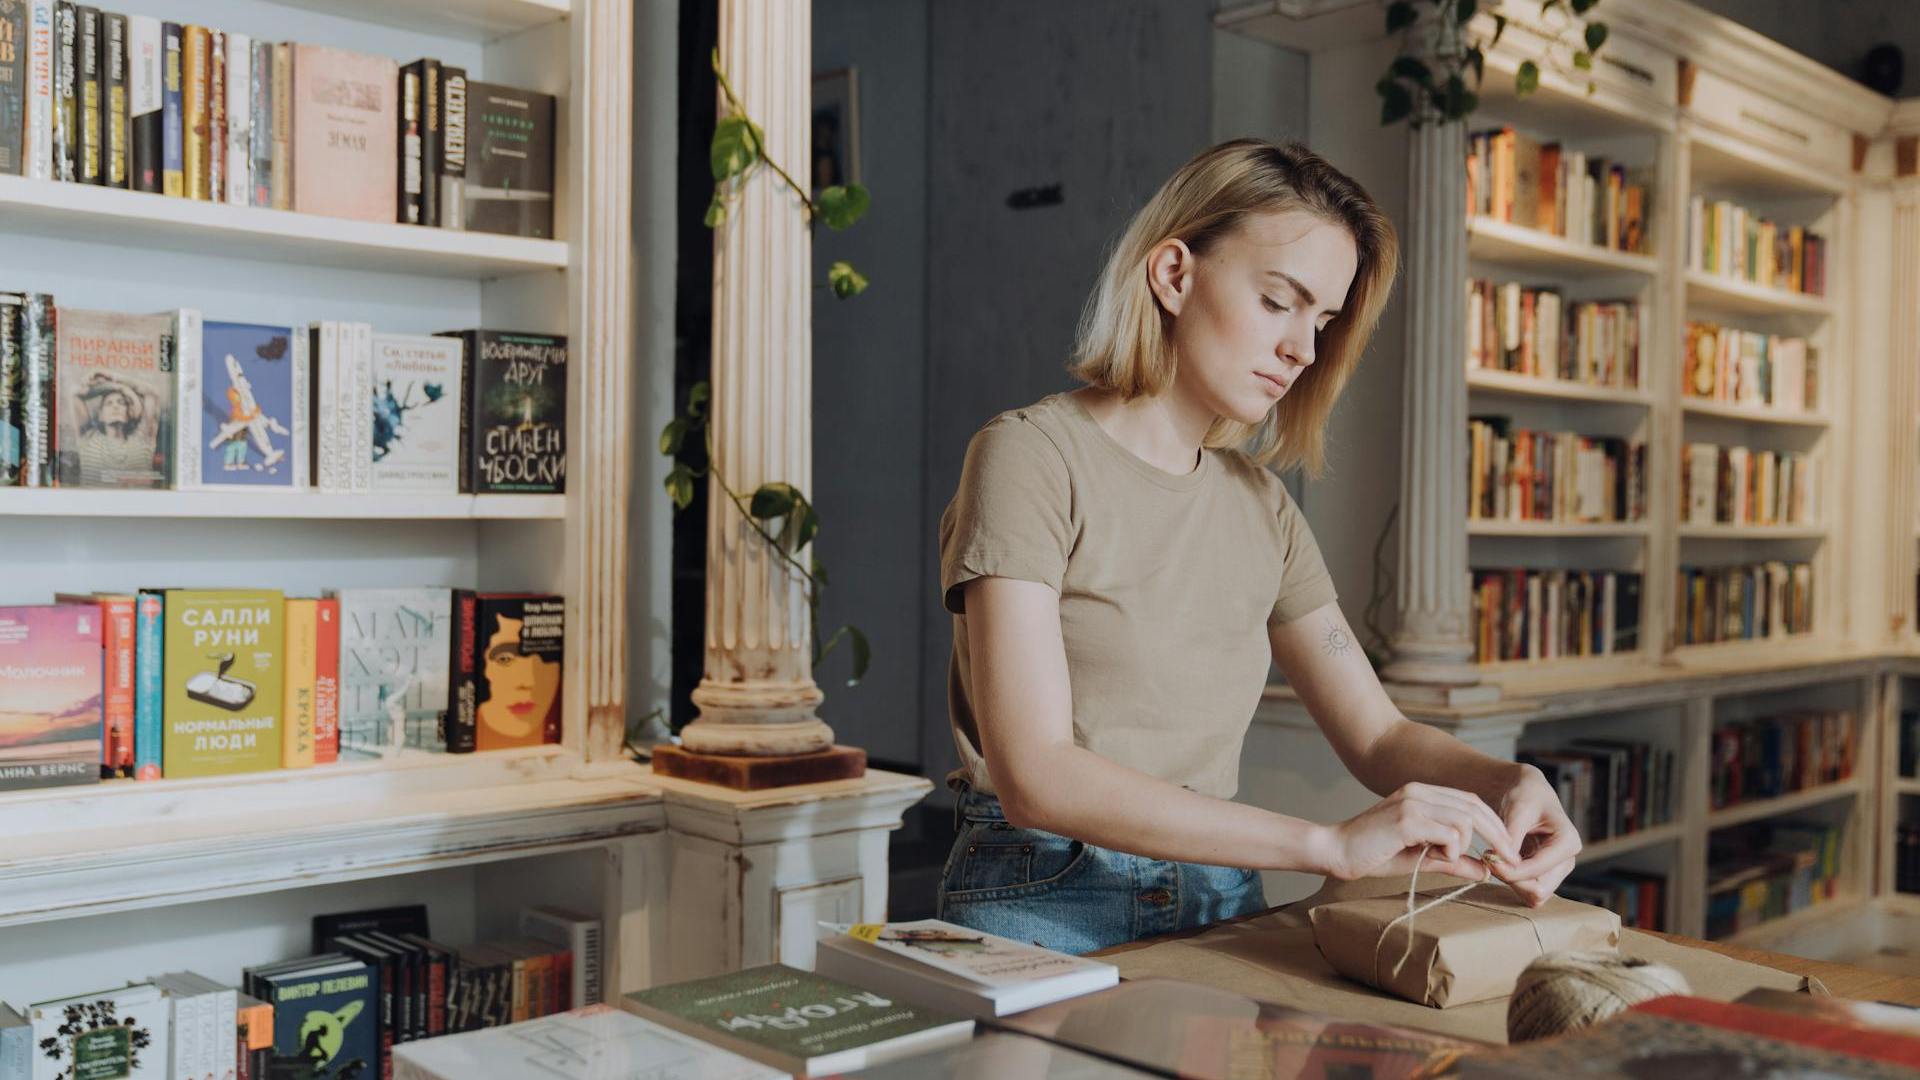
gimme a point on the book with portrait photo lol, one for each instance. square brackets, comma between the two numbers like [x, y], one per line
[115, 399]
[505, 687]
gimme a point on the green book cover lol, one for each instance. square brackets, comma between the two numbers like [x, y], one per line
[222, 690]
[796, 1020]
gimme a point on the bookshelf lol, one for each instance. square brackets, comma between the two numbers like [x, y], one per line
[81, 503]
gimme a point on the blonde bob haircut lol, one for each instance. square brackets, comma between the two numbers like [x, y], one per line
[1125, 339]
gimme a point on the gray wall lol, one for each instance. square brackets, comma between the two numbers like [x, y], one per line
[1837, 33]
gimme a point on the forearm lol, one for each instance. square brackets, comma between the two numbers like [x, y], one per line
[1075, 792]
[1410, 752]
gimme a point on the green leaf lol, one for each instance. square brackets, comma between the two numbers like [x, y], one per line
[1400, 14]
[697, 396]
[1527, 79]
[1396, 103]
[1581, 7]
[862, 656]
[819, 572]
[679, 484]
[673, 435]
[773, 500]
[1583, 61]
[1596, 36]
[1499, 27]
[736, 144]
[1465, 10]
[1457, 101]
[716, 212]
[841, 206]
[845, 280]
[1411, 67]
[1478, 61]
[808, 528]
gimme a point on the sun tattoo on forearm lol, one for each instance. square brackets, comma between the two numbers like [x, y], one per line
[1336, 641]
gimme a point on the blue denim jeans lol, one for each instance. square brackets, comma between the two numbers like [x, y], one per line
[1037, 886]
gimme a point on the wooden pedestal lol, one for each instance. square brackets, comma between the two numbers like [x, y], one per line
[743, 773]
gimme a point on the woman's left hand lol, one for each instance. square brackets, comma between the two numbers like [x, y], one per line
[1538, 827]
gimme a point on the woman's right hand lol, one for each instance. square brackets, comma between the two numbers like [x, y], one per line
[1387, 838]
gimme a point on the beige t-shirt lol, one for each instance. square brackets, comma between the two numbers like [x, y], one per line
[1167, 584]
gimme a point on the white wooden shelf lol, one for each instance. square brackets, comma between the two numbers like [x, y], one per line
[126, 845]
[1757, 414]
[1732, 294]
[310, 505]
[1481, 527]
[1517, 245]
[469, 20]
[1753, 532]
[1743, 812]
[1633, 841]
[1517, 385]
[143, 219]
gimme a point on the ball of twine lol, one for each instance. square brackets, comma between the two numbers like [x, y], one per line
[1565, 991]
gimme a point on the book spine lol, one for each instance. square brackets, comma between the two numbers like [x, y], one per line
[186, 374]
[453, 148]
[301, 450]
[326, 681]
[11, 364]
[13, 86]
[144, 90]
[173, 154]
[302, 661]
[321, 414]
[282, 103]
[239, 110]
[430, 125]
[260, 128]
[148, 666]
[37, 317]
[360, 407]
[409, 195]
[113, 138]
[193, 111]
[216, 116]
[463, 678]
[39, 92]
[87, 56]
[470, 405]
[66, 72]
[119, 637]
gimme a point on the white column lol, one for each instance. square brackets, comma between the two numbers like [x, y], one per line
[1432, 649]
[757, 695]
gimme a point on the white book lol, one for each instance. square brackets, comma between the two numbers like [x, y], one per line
[39, 121]
[239, 119]
[578, 933]
[950, 967]
[108, 1021]
[219, 1025]
[324, 406]
[416, 413]
[186, 399]
[185, 1026]
[359, 405]
[1703, 467]
[597, 1041]
[144, 81]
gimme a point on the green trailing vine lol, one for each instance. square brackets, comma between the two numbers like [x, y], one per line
[1429, 80]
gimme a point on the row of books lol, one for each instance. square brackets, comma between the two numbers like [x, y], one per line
[1523, 614]
[1535, 331]
[1519, 475]
[202, 682]
[1745, 367]
[376, 980]
[101, 399]
[1906, 857]
[1638, 897]
[1767, 870]
[1777, 755]
[133, 102]
[1589, 200]
[1609, 787]
[1735, 485]
[1742, 603]
[1726, 238]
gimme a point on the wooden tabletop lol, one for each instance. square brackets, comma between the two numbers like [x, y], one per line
[1841, 980]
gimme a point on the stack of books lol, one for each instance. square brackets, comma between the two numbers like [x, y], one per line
[1737, 485]
[1536, 331]
[1639, 898]
[1743, 603]
[1744, 367]
[1519, 475]
[1589, 200]
[1521, 614]
[1778, 755]
[1728, 239]
[1609, 787]
[1768, 870]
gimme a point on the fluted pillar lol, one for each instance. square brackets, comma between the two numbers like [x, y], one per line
[1900, 390]
[757, 695]
[1432, 647]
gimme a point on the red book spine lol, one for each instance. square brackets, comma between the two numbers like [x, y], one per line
[326, 683]
[117, 741]
[437, 995]
[1875, 1044]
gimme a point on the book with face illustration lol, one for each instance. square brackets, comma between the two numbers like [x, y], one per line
[115, 399]
[521, 645]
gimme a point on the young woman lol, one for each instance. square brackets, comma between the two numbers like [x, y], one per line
[1122, 566]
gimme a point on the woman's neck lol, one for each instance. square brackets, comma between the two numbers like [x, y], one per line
[1162, 430]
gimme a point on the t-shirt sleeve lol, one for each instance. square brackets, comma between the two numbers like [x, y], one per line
[1305, 585]
[1012, 514]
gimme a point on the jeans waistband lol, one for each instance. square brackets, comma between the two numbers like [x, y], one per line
[972, 805]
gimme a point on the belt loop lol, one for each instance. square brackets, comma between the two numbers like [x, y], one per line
[961, 790]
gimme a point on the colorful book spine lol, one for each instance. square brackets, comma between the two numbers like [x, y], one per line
[11, 362]
[452, 155]
[37, 315]
[194, 75]
[282, 103]
[216, 116]
[148, 667]
[239, 119]
[120, 636]
[463, 674]
[326, 681]
[113, 76]
[14, 17]
[145, 89]
[173, 152]
[260, 126]
[66, 74]
[412, 167]
[302, 659]
[39, 118]
[88, 90]
[430, 132]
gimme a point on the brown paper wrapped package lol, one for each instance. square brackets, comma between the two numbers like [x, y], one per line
[1469, 949]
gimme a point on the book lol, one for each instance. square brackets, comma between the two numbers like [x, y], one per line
[515, 433]
[116, 389]
[65, 101]
[173, 133]
[149, 679]
[250, 426]
[12, 372]
[16, 1045]
[393, 668]
[955, 969]
[117, 646]
[146, 131]
[409, 198]
[384, 970]
[38, 321]
[113, 112]
[597, 1040]
[343, 119]
[196, 73]
[14, 17]
[520, 640]
[117, 1034]
[452, 148]
[216, 116]
[259, 149]
[399, 919]
[50, 722]
[1005, 1054]
[416, 413]
[580, 934]
[253, 1035]
[38, 142]
[796, 1021]
[87, 92]
[431, 125]
[280, 97]
[508, 186]
[223, 689]
[324, 1019]
[302, 662]
[326, 681]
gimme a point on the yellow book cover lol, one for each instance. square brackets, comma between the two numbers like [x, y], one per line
[303, 651]
[222, 689]
[194, 110]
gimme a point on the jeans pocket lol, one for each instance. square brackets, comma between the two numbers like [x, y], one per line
[1003, 863]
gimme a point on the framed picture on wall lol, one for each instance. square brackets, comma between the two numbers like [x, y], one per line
[836, 128]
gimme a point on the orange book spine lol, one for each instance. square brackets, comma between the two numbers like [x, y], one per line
[326, 681]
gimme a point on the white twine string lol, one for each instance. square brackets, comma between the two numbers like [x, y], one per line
[1413, 886]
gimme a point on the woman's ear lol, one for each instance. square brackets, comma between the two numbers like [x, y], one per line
[1170, 273]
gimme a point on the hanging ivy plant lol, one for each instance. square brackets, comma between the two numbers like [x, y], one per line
[1439, 71]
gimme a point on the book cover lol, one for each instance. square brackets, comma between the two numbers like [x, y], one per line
[195, 71]
[14, 17]
[252, 426]
[87, 91]
[393, 668]
[117, 647]
[325, 1020]
[116, 391]
[451, 212]
[509, 167]
[239, 119]
[223, 689]
[149, 680]
[344, 119]
[260, 130]
[66, 82]
[463, 673]
[416, 413]
[955, 968]
[173, 133]
[517, 427]
[13, 363]
[795, 1020]
[38, 148]
[400, 919]
[581, 936]
[598, 1040]
[326, 681]
[145, 86]
[119, 1034]
[522, 656]
[303, 658]
[50, 721]
[38, 321]
[113, 113]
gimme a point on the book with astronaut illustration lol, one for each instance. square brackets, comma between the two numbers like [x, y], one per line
[243, 405]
